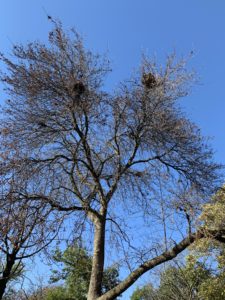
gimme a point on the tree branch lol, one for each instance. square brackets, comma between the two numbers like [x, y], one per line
[164, 257]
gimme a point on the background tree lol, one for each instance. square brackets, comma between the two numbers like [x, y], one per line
[195, 280]
[146, 292]
[71, 277]
[212, 216]
[49, 293]
[76, 272]
[98, 155]
[23, 233]
[183, 282]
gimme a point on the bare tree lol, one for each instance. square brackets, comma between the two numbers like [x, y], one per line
[25, 230]
[100, 155]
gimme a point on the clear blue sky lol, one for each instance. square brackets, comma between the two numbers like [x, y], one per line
[126, 28]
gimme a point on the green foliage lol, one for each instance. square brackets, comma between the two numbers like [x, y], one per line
[213, 214]
[145, 293]
[213, 218]
[195, 280]
[46, 293]
[57, 293]
[76, 272]
[214, 288]
[183, 282]
[110, 279]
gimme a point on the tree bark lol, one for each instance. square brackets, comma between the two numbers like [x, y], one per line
[6, 274]
[95, 285]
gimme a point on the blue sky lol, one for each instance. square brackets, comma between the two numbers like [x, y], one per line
[126, 29]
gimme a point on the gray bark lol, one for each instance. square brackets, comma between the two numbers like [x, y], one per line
[98, 260]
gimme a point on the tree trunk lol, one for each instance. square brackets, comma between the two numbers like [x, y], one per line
[6, 274]
[95, 285]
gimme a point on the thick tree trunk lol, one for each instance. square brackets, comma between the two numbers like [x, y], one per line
[6, 274]
[98, 261]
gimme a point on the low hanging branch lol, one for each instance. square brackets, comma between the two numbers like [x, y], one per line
[162, 258]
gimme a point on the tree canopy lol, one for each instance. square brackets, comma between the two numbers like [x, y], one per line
[121, 165]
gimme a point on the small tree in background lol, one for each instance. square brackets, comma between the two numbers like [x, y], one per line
[25, 230]
[76, 272]
[146, 292]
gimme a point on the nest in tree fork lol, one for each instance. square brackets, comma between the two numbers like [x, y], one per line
[79, 88]
[149, 80]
